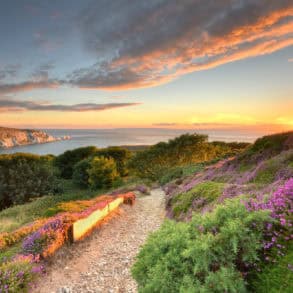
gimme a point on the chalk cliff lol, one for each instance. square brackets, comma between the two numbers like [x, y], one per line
[11, 137]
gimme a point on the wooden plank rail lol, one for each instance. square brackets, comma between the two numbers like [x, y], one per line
[81, 227]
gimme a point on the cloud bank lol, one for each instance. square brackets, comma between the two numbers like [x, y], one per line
[7, 105]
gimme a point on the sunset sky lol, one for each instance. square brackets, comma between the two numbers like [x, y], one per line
[155, 63]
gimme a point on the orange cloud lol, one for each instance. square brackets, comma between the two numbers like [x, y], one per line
[226, 35]
[27, 86]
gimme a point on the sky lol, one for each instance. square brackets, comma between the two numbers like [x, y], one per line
[202, 64]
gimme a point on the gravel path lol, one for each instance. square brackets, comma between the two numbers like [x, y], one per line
[102, 262]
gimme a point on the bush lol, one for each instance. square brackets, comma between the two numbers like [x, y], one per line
[102, 172]
[120, 156]
[24, 176]
[18, 275]
[276, 277]
[66, 161]
[180, 151]
[170, 175]
[202, 194]
[80, 175]
[209, 254]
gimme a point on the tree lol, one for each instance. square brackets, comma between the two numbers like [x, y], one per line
[120, 156]
[102, 172]
[80, 175]
[66, 161]
[24, 176]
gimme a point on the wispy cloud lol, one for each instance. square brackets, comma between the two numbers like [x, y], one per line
[166, 124]
[27, 86]
[9, 71]
[8, 105]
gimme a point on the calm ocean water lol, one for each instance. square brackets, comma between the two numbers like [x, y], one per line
[111, 137]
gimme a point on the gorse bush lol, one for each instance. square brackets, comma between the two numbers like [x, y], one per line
[209, 254]
[23, 177]
[102, 172]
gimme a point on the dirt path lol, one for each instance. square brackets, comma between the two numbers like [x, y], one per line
[102, 262]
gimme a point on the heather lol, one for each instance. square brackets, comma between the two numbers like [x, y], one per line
[239, 174]
[222, 250]
[229, 204]
[23, 250]
[199, 196]
[230, 228]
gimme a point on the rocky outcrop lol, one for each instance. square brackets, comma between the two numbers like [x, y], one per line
[11, 137]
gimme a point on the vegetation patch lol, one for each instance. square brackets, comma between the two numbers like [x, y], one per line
[202, 194]
[277, 277]
[209, 254]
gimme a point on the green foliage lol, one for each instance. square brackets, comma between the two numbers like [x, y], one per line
[183, 150]
[180, 171]
[80, 175]
[204, 255]
[120, 156]
[102, 172]
[202, 194]
[267, 147]
[9, 252]
[23, 177]
[16, 276]
[154, 162]
[267, 173]
[66, 161]
[46, 206]
[274, 143]
[275, 278]
[171, 174]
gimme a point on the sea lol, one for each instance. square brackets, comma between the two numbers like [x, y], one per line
[125, 136]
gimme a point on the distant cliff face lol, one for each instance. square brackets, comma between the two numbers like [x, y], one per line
[11, 137]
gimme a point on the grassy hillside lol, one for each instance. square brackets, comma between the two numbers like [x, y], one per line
[260, 169]
[230, 228]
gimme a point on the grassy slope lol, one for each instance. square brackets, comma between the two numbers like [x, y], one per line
[19, 215]
[259, 170]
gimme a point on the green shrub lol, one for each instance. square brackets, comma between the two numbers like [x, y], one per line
[275, 278]
[66, 161]
[80, 175]
[23, 177]
[205, 255]
[179, 171]
[184, 150]
[120, 156]
[202, 194]
[170, 175]
[102, 172]
[16, 276]
[280, 163]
